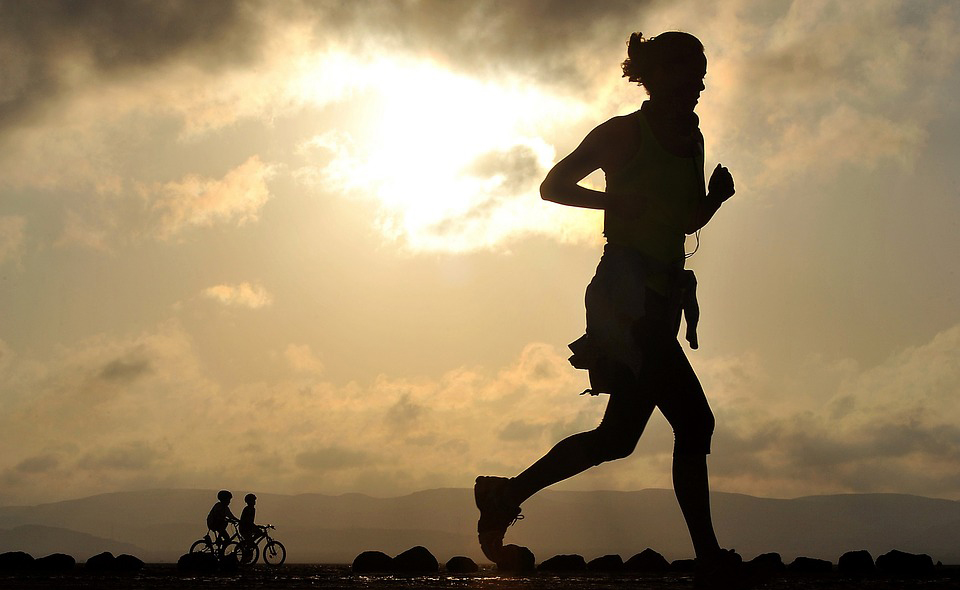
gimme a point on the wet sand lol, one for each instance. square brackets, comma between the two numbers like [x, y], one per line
[336, 577]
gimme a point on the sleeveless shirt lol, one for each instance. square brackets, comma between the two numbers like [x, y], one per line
[674, 187]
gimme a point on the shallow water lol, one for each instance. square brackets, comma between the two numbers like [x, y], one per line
[336, 577]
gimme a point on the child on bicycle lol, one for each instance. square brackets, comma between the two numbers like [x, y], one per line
[248, 530]
[219, 516]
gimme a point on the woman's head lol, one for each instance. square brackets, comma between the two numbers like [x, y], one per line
[670, 66]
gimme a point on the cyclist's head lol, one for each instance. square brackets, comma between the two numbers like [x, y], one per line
[224, 496]
[250, 499]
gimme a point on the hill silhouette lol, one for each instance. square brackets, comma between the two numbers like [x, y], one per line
[159, 525]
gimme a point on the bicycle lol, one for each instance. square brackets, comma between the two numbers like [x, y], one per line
[209, 544]
[248, 551]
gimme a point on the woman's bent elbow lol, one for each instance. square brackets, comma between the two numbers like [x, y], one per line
[547, 191]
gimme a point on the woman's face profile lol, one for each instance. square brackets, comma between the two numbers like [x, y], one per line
[680, 82]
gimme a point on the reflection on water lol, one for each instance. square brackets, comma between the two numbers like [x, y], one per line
[335, 577]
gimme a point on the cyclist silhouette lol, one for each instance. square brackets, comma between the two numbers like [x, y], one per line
[654, 197]
[248, 529]
[219, 516]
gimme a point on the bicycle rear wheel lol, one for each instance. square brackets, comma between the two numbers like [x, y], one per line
[247, 553]
[274, 553]
[201, 546]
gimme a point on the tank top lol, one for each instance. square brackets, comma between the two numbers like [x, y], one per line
[675, 187]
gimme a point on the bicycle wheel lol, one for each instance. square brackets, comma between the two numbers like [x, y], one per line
[274, 553]
[231, 551]
[201, 546]
[247, 553]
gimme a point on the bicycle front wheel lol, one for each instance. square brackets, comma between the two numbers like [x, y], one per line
[201, 546]
[274, 553]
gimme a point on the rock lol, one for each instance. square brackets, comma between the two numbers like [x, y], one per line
[683, 565]
[461, 565]
[197, 563]
[899, 563]
[416, 560]
[810, 565]
[647, 561]
[229, 564]
[15, 561]
[370, 562]
[101, 562]
[856, 563]
[517, 559]
[766, 564]
[127, 563]
[607, 563]
[55, 563]
[564, 563]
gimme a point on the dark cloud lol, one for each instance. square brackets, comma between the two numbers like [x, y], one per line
[41, 41]
[540, 38]
[125, 369]
[517, 168]
[332, 459]
[404, 413]
[38, 464]
[137, 456]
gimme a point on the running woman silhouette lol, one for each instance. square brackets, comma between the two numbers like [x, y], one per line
[654, 197]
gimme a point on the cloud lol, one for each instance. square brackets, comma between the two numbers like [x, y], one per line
[200, 202]
[50, 49]
[38, 464]
[302, 359]
[886, 428]
[131, 456]
[332, 459]
[11, 237]
[776, 435]
[240, 295]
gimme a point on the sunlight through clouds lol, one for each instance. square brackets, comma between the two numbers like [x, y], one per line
[453, 162]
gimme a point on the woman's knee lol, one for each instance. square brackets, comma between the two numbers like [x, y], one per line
[694, 437]
[610, 445]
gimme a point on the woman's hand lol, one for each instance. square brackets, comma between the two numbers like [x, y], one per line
[720, 186]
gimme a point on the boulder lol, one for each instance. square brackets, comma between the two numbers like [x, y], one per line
[810, 565]
[55, 563]
[564, 563]
[416, 560]
[683, 565]
[15, 561]
[101, 562]
[647, 561]
[856, 563]
[516, 559]
[197, 563]
[607, 563]
[461, 565]
[127, 563]
[899, 563]
[766, 564]
[370, 562]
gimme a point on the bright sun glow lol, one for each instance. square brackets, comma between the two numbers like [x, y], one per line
[453, 161]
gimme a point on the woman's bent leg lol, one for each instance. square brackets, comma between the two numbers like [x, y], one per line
[623, 422]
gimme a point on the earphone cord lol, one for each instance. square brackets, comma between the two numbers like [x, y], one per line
[695, 248]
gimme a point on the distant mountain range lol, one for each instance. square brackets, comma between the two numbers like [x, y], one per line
[160, 525]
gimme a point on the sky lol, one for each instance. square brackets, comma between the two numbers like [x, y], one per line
[299, 247]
